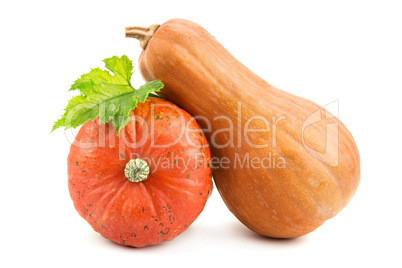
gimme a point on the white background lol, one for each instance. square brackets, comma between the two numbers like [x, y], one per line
[345, 51]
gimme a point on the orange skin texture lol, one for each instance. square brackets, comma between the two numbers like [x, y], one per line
[203, 78]
[158, 209]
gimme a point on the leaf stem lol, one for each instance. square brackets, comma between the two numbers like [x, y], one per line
[151, 95]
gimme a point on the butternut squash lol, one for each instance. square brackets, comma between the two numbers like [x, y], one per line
[282, 164]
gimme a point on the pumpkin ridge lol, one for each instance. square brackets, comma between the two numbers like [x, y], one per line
[104, 208]
[146, 191]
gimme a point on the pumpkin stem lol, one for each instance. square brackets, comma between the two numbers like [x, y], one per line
[136, 170]
[143, 34]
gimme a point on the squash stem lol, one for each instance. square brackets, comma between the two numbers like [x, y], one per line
[144, 34]
[137, 170]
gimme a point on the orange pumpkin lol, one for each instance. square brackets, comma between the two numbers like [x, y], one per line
[145, 185]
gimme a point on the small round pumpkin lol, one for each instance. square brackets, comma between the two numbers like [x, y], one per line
[145, 185]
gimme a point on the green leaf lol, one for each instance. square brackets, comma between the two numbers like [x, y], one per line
[111, 97]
